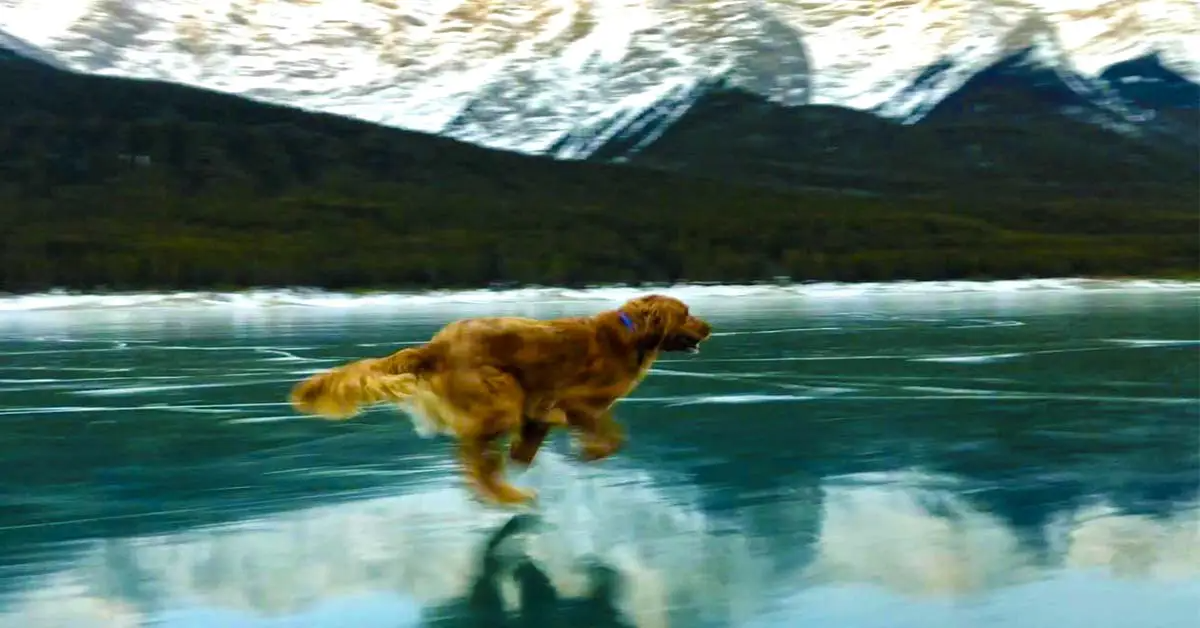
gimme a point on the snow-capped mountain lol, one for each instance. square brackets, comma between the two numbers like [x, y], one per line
[1145, 81]
[563, 76]
[16, 45]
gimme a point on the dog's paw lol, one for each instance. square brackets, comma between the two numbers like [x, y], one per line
[526, 504]
[511, 497]
[519, 471]
[597, 450]
[521, 456]
[556, 417]
[525, 497]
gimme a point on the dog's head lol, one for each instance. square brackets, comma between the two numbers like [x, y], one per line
[665, 323]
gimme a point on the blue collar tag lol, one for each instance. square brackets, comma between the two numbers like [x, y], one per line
[625, 320]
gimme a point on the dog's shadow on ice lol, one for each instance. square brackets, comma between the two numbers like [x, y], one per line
[538, 603]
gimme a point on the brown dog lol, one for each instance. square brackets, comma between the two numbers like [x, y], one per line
[482, 379]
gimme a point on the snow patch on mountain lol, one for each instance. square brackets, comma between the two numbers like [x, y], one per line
[562, 77]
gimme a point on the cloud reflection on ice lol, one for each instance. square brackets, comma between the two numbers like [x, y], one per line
[898, 543]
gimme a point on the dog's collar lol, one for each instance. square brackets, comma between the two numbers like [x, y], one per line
[628, 323]
[625, 320]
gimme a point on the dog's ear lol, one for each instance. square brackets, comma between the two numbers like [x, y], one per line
[654, 317]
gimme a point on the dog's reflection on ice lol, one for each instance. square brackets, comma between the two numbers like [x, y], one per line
[428, 556]
[509, 590]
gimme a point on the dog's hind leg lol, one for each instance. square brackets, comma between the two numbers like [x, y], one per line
[540, 417]
[528, 440]
[483, 463]
[492, 406]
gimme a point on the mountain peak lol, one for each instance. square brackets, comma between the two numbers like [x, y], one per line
[1149, 82]
[535, 75]
[14, 45]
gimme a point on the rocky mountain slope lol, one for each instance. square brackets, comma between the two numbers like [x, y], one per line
[1017, 126]
[562, 76]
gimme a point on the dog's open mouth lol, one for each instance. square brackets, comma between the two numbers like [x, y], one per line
[682, 343]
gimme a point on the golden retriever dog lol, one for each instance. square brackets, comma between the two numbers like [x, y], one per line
[483, 379]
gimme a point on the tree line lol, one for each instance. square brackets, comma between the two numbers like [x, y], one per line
[116, 184]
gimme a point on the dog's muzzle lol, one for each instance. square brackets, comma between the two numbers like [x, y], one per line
[688, 338]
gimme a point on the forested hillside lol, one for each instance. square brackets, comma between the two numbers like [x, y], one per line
[121, 184]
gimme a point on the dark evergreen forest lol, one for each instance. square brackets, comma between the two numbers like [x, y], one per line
[119, 184]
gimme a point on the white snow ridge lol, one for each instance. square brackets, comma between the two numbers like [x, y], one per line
[539, 76]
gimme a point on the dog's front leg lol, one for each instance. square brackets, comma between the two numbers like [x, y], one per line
[599, 435]
[541, 416]
[528, 440]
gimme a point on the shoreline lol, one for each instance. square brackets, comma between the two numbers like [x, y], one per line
[308, 297]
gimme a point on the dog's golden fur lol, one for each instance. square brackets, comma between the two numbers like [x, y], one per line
[481, 379]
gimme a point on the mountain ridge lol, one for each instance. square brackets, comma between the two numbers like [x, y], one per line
[1016, 125]
[525, 74]
[17, 46]
[856, 151]
[1147, 81]
[1134, 96]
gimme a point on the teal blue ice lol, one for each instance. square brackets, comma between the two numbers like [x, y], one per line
[905, 456]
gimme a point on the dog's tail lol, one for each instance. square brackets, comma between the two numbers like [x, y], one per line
[339, 392]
